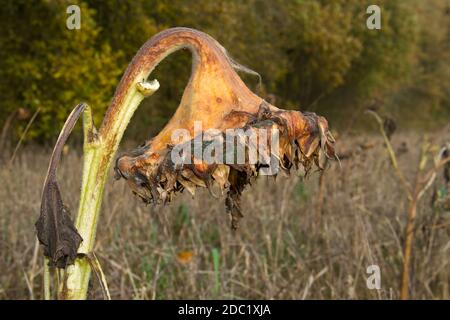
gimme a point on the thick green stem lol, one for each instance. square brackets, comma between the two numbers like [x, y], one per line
[99, 152]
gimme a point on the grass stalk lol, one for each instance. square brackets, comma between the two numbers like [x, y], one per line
[216, 264]
[47, 294]
[414, 193]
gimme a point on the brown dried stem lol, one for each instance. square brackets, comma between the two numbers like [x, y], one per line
[422, 183]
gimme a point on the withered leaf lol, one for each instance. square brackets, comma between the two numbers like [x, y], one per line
[55, 229]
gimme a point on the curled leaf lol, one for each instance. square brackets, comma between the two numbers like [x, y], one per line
[55, 229]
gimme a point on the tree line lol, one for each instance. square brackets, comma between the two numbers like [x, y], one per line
[312, 55]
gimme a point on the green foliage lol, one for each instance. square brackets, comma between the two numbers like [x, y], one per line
[45, 65]
[300, 192]
[431, 86]
[311, 54]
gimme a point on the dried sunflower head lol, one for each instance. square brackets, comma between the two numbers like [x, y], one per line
[221, 133]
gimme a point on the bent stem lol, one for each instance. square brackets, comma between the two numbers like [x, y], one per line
[98, 153]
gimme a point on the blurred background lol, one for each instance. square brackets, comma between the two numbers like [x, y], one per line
[312, 55]
[310, 238]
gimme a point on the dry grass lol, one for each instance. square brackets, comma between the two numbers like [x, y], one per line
[285, 248]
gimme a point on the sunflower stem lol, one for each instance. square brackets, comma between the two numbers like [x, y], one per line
[98, 152]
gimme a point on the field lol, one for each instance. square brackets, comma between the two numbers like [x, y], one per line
[299, 239]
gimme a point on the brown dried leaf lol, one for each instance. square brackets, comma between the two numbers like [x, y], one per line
[55, 229]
